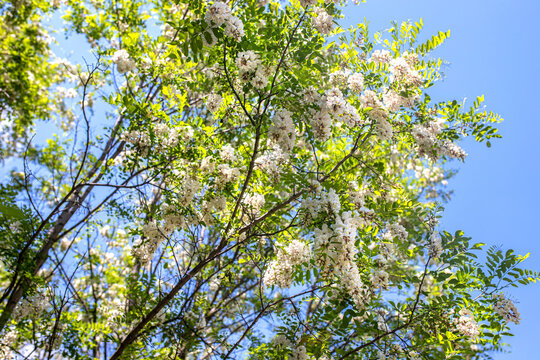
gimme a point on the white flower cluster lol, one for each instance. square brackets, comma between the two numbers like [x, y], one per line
[356, 82]
[452, 150]
[247, 61]
[383, 128]
[65, 244]
[322, 21]
[207, 165]
[282, 131]
[357, 195]
[168, 31]
[371, 100]
[394, 101]
[411, 58]
[327, 203]
[273, 162]
[15, 227]
[396, 231]
[311, 96]
[219, 13]
[403, 72]
[261, 77]
[335, 246]
[280, 271]
[138, 138]
[251, 69]
[190, 188]
[7, 341]
[168, 137]
[226, 174]
[299, 353]
[281, 341]
[227, 153]
[254, 201]
[352, 281]
[165, 136]
[430, 175]
[435, 246]
[211, 207]
[154, 235]
[321, 124]
[112, 310]
[338, 78]
[342, 110]
[428, 144]
[381, 321]
[123, 63]
[466, 325]
[66, 93]
[213, 102]
[32, 306]
[381, 57]
[335, 101]
[386, 250]
[379, 279]
[506, 308]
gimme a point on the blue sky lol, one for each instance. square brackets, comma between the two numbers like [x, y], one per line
[492, 51]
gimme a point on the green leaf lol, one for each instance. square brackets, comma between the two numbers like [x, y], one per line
[11, 211]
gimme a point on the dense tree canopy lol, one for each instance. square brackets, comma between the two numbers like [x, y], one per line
[235, 180]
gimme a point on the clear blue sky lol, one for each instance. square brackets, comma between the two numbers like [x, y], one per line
[493, 50]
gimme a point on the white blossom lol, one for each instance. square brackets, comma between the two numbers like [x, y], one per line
[323, 21]
[282, 131]
[435, 246]
[299, 353]
[234, 28]
[213, 102]
[280, 270]
[506, 308]
[356, 82]
[321, 125]
[380, 57]
[123, 63]
[227, 153]
[247, 61]
[466, 324]
[217, 13]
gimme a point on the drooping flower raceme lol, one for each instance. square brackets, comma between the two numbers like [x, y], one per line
[466, 324]
[282, 131]
[381, 57]
[506, 308]
[217, 13]
[356, 82]
[280, 271]
[323, 21]
[247, 61]
[123, 62]
[220, 13]
[213, 102]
